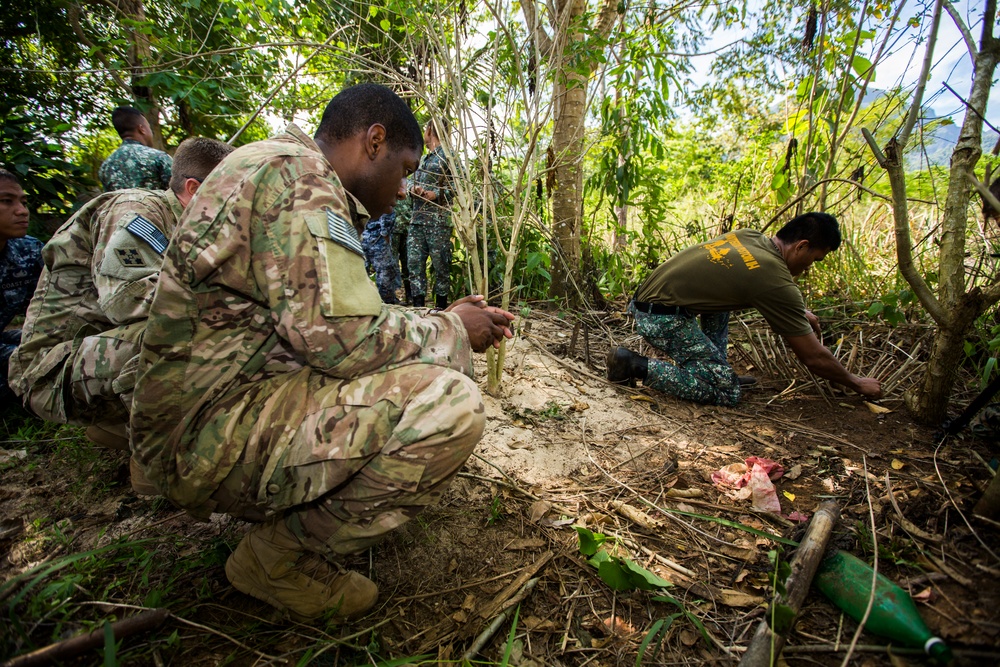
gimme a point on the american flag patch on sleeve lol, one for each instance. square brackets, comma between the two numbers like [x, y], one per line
[342, 232]
[147, 231]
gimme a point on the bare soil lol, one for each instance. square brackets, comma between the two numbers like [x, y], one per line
[562, 448]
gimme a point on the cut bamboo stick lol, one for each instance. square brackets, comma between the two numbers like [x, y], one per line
[766, 645]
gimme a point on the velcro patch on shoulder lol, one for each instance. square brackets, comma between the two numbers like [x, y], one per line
[343, 233]
[147, 231]
[130, 257]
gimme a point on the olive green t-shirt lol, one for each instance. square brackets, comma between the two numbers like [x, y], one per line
[741, 269]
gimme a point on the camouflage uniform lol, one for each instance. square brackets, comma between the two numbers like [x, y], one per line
[737, 270]
[76, 363]
[429, 233]
[700, 371]
[272, 379]
[134, 165]
[20, 266]
[403, 211]
[379, 257]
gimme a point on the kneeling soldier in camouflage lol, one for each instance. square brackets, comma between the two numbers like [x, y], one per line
[274, 384]
[80, 341]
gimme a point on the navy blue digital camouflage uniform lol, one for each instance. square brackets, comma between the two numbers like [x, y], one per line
[20, 266]
[376, 241]
[700, 372]
[429, 232]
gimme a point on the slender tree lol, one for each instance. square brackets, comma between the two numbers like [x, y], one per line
[956, 305]
[572, 40]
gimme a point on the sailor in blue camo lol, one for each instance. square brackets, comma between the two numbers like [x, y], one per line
[20, 266]
[379, 257]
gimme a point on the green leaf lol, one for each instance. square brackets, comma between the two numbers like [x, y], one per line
[598, 558]
[614, 575]
[385, 24]
[657, 631]
[861, 66]
[589, 541]
[110, 654]
[510, 639]
[780, 618]
[643, 578]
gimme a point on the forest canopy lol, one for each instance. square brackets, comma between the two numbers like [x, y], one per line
[592, 139]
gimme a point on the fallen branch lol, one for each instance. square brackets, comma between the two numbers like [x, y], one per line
[511, 595]
[491, 630]
[67, 648]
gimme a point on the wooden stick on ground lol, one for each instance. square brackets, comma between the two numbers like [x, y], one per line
[141, 622]
[803, 564]
[491, 630]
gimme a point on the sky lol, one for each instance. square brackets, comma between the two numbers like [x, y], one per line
[952, 63]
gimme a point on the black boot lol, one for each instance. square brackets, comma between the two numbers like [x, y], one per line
[418, 300]
[440, 301]
[625, 366]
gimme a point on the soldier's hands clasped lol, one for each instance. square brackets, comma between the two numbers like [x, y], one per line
[486, 325]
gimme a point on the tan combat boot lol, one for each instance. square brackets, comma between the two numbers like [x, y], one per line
[109, 435]
[270, 564]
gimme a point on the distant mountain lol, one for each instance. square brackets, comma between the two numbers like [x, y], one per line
[936, 143]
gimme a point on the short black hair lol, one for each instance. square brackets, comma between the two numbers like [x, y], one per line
[196, 157]
[435, 123]
[126, 119]
[8, 176]
[820, 229]
[359, 107]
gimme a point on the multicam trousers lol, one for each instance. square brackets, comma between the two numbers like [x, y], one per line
[89, 380]
[700, 371]
[432, 241]
[344, 462]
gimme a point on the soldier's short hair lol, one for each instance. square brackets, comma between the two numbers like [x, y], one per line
[8, 176]
[196, 157]
[126, 119]
[439, 126]
[359, 107]
[820, 229]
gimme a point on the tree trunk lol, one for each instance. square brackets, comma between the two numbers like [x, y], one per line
[140, 54]
[570, 100]
[930, 400]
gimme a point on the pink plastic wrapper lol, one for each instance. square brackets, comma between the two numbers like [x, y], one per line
[751, 479]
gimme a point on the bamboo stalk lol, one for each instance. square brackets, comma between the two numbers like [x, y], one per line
[766, 645]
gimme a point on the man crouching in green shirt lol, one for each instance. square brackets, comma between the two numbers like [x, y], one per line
[741, 269]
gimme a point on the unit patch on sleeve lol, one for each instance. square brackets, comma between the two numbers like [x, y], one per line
[343, 233]
[147, 231]
[130, 257]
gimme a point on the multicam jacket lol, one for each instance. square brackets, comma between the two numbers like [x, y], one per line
[434, 175]
[265, 275]
[134, 165]
[20, 266]
[101, 268]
